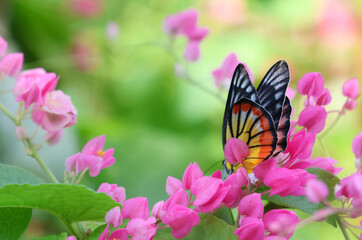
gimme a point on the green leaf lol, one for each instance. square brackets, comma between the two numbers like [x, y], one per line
[210, 227]
[15, 175]
[71, 203]
[226, 215]
[328, 178]
[61, 236]
[13, 222]
[96, 232]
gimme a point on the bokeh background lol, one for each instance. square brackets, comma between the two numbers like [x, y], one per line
[123, 84]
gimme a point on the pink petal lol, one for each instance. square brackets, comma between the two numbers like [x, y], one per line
[119, 234]
[316, 191]
[94, 145]
[135, 208]
[140, 229]
[173, 185]
[198, 34]
[191, 174]
[311, 84]
[114, 217]
[157, 211]
[11, 64]
[251, 206]
[325, 98]
[280, 222]
[192, 51]
[326, 164]
[313, 118]
[178, 198]
[351, 88]
[53, 138]
[250, 229]
[236, 151]
[357, 146]
[204, 189]
[3, 46]
[217, 174]
[181, 23]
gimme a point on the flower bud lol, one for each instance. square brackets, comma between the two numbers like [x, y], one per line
[311, 84]
[250, 229]
[236, 151]
[191, 174]
[53, 138]
[251, 206]
[324, 98]
[316, 191]
[21, 133]
[135, 208]
[11, 64]
[173, 185]
[351, 88]
[114, 217]
[157, 211]
[350, 104]
[3, 46]
[313, 118]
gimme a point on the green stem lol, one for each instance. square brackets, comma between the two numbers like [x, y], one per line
[7, 113]
[71, 229]
[33, 153]
[343, 228]
[332, 125]
[81, 176]
[79, 230]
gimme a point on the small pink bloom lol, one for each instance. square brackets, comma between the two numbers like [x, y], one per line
[250, 229]
[112, 31]
[135, 208]
[53, 138]
[324, 98]
[316, 191]
[20, 133]
[192, 51]
[351, 186]
[290, 93]
[117, 193]
[181, 23]
[301, 146]
[236, 151]
[55, 113]
[351, 88]
[209, 193]
[114, 217]
[32, 86]
[119, 234]
[11, 64]
[75, 163]
[236, 181]
[173, 185]
[326, 164]
[141, 229]
[311, 84]
[181, 219]
[3, 46]
[251, 206]
[104, 233]
[71, 238]
[157, 211]
[217, 174]
[313, 118]
[357, 146]
[87, 8]
[264, 168]
[191, 174]
[178, 198]
[280, 222]
[225, 72]
[350, 104]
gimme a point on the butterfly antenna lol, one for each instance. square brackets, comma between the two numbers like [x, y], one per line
[213, 165]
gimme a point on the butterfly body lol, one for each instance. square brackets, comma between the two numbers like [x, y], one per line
[259, 117]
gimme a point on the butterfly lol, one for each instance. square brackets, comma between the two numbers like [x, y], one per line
[259, 117]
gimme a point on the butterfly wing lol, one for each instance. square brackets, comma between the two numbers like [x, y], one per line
[240, 87]
[251, 123]
[283, 127]
[271, 91]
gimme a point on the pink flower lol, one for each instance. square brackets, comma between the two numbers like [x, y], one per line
[326, 164]
[316, 191]
[236, 151]
[53, 138]
[264, 168]
[301, 146]
[250, 229]
[117, 193]
[119, 234]
[55, 113]
[290, 93]
[350, 88]
[75, 163]
[157, 211]
[173, 185]
[324, 98]
[351, 186]
[313, 118]
[135, 208]
[87, 8]
[224, 74]
[112, 31]
[21, 133]
[71, 238]
[236, 181]
[32, 85]
[178, 198]
[311, 84]
[3, 46]
[357, 146]
[11, 64]
[217, 174]
[181, 219]
[192, 51]
[181, 23]
[280, 222]
[251, 206]
[350, 104]
[191, 174]
[114, 217]
[141, 229]
[209, 193]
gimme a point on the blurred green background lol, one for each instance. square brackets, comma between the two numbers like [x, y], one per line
[158, 123]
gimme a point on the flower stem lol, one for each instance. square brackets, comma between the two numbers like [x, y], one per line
[332, 125]
[81, 176]
[343, 228]
[7, 113]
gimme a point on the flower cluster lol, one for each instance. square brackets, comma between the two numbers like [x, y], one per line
[185, 24]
